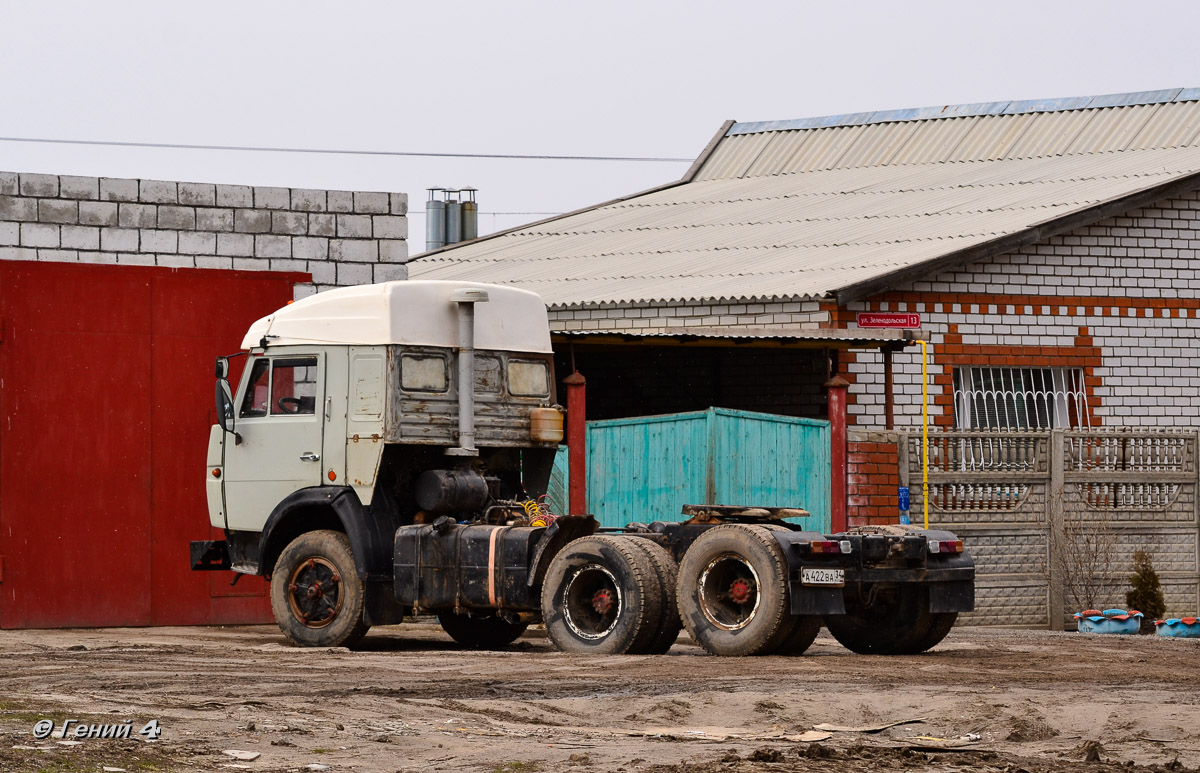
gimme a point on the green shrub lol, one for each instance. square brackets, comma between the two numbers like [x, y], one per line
[1146, 596]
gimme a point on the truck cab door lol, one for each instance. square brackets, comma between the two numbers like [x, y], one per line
[280, 422]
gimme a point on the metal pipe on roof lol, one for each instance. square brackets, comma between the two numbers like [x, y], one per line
[453, 216]
[435, 221]
[470, 216]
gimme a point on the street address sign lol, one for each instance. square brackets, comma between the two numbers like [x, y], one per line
[888, 319]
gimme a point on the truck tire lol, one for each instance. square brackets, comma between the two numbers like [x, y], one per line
[899, 623]
[799, 633]
[602, 596]
[733, 591]
[669, 624]
[804, 633]
[939, 626]
[316, 594]
[485, 632]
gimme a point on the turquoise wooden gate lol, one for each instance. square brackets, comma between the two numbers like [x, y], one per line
[645, 469]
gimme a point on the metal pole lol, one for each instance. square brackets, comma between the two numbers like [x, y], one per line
[576, 443]
[838, 488]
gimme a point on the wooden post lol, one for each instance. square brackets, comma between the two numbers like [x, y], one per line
[1054, 530]
[576, 443]
[838, 489]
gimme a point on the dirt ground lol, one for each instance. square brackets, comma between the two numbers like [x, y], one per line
[411, 700]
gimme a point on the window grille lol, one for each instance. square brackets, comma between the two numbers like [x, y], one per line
[1019, 398]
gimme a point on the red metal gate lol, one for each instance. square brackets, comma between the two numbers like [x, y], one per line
[105, 406]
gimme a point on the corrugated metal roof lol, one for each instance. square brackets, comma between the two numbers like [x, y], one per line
[821, 336]
[808, 208]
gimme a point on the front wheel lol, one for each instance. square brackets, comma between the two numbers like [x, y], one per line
[316, 594]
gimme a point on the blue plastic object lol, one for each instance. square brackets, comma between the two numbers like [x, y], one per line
[1178, 627]
[1116, 621]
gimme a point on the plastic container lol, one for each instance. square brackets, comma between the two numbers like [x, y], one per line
[546, 425]
[1178, 627]
[1116, 621]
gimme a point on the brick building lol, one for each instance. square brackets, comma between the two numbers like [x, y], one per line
[1048, 247]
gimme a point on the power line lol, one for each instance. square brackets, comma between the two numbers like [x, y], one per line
[327, 151]
[422, 212]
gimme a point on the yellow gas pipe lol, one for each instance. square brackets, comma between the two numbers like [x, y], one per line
[925, 430]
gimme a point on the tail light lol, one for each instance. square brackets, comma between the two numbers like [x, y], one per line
[830, 546]
[945, 546]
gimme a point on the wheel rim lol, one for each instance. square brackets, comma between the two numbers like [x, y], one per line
[729, 592]
[314, 592]
[591, 602]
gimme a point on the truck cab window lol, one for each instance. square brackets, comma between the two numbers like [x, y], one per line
[294, 386]
[255, 401]
[423, 373]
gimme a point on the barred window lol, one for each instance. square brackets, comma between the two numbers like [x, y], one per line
[1019, 398]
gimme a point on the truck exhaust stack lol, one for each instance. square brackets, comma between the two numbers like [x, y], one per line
[466, 300]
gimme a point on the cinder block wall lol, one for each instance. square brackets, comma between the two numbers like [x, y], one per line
[339, 237]
[1119, 300]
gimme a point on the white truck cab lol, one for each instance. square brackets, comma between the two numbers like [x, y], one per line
[352, 400]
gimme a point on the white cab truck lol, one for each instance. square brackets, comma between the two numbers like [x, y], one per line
[384, 454]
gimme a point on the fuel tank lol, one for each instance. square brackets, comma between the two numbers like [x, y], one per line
[455, 566]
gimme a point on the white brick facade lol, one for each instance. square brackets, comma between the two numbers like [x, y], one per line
[1127, 286]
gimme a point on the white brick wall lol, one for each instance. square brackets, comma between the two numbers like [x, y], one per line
[1107, 278]
[340, 237]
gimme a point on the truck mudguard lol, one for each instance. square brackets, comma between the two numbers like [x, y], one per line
[565, 529]
[368, 528]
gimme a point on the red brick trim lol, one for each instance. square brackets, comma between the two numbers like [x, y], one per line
[1084, 355]
[1072, 305]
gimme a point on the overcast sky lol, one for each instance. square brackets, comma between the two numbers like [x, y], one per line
[610, 78]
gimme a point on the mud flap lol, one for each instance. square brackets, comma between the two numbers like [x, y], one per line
[210, 555]
[815, 601]
[380, 606]
[951, 597]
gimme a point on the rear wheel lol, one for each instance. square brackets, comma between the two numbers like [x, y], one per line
[733, 593]
[602, 595]
[316, 594]
[802, 636]
[669, 624]
[888, 620]
[939, 626]
[483, 632]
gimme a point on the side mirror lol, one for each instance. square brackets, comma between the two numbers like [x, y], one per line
[224, 404]
[223, 367]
